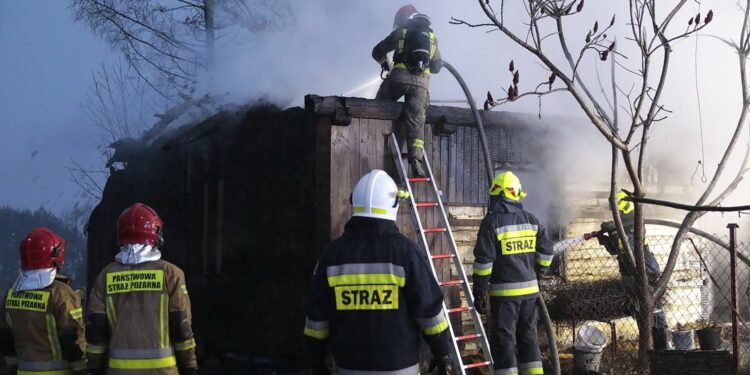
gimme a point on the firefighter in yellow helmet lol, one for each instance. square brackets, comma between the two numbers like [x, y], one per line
[41, 321]
[512, 251]
[139, 316]
[613, 243]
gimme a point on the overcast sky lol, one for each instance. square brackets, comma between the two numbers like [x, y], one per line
[46, 61]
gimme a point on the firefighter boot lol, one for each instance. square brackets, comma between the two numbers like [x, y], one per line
[416, 168]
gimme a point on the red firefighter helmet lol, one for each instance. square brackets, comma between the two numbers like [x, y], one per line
[403, 15]
[42, 248]
[139, 224]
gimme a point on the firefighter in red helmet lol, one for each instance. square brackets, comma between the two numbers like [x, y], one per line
[41, 321]
[139, 317]
[415, 57]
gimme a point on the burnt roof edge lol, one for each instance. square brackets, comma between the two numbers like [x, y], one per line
[390, 110]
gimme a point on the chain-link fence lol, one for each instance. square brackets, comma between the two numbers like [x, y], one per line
[591, 301]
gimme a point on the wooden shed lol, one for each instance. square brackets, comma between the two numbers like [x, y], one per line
[251, 195]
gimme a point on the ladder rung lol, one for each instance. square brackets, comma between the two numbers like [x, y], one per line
[442, 256]
[434, 230]
[419, 179]
[478, 364]
[426, 204]
[468, 337]
[458, 310]
[451, 282]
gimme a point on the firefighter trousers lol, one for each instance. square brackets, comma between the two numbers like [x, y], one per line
[514, 322]
[414, 88]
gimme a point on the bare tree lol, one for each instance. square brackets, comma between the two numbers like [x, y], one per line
[653, 35]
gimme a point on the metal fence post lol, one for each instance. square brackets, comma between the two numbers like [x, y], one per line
[735, 305]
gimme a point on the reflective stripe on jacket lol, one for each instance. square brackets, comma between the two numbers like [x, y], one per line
[140, 320]
[373, 295]
[511, 252]
[42, 331]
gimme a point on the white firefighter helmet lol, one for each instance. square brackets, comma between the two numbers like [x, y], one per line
[376, 196]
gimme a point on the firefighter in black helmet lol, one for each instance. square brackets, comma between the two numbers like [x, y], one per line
[416, 56]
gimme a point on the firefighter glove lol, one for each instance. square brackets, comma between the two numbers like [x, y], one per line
[440, 365]
[385, 66]
[480, 300]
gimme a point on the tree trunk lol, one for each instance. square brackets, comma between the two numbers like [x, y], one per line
[208, 16]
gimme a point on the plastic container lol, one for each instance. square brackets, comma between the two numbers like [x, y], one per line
[590, 342]
[683, 340]
[709, 338]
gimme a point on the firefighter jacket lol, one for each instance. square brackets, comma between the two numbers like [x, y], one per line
[395, 42]
[511, 252]
[371, 295]
[139, 320]
[41, 330]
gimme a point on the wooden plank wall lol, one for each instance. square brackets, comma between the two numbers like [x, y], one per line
[456, 160]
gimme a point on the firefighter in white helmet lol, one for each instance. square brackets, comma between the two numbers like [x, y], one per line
[372, 293]
[511, 253]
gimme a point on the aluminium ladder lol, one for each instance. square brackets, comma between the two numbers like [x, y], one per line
[463, 282]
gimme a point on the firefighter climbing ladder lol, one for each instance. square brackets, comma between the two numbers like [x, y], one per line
[462, 281]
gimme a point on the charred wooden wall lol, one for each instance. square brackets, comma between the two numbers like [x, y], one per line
[236, 194]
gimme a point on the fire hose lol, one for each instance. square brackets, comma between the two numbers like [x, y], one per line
[543, 312]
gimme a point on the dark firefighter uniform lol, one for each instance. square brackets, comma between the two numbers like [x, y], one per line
[140, 320]
[413, 85]
[511, 252]
[42, 331]
[372, 293]
[614, 246]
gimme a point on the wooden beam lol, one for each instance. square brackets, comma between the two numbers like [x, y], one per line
[390, 110]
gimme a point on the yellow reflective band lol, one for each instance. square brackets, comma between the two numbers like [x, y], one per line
[401, 41]
[483, 272]
[380, 211]
[359, 209]
[366, 279]
[35, 300]
[185, 345]
[54, 342]
[366, 297]
[543, 262]
[184, 289]
[111, 314]
[517, 241]
[164, 321]
[532, 371]
[11, 361]
[515, 292]
[78, 365]
[437, 328]
[418, 143]
[77, 313]
[142, 364]
[52, 372]
[320, 334]
[95, 349]
[135, 281]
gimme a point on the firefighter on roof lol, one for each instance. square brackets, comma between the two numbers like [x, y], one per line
[511, 253]
[416, 56]
[41, 321]
[372, 293]
[139, 318]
